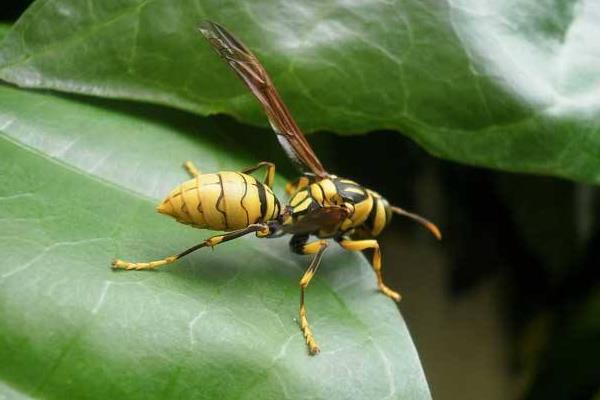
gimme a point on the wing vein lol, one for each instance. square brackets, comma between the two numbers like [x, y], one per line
[247, 67]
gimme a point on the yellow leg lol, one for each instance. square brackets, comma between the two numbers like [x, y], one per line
[293, 187]
[191, 169]
[212, 241]
[269, 176]
[120, 264]
[317, 247]
[359, 245]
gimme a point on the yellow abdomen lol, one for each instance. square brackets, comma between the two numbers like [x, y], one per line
[223, 201]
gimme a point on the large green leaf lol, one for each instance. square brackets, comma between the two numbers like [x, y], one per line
[78, 185]
[3, 29]
[506, 84]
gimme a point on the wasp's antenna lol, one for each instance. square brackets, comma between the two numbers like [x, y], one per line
[427, 224]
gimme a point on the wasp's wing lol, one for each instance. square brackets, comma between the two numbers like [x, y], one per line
[249, 69]
[326, 218]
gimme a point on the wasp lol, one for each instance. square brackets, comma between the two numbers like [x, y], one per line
[321, 205]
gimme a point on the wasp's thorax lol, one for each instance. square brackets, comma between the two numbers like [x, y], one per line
[368, 212]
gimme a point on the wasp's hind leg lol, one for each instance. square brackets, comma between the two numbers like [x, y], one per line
[359, 245]
[261, 229]
[299, 245]
[191, 169]
[270, 174]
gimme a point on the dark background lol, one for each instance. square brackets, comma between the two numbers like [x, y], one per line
[507, 306]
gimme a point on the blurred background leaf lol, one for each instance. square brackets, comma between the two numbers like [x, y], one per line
[3, 29]
[509, 85]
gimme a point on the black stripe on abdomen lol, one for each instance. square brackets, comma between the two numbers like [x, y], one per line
[262, 198]
[221, 200]
[276, 207]
[244, 197]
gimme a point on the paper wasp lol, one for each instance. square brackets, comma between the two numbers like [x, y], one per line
[321, 204]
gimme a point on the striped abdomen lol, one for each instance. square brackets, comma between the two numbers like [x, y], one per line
[223, 201]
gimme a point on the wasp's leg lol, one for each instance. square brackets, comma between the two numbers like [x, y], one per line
[269, 176]
[191, 169]
[261, 229]
[299, 245]
[298, 184]
[359, 245]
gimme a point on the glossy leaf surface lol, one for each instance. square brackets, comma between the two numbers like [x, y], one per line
[511, 85]
[78, 186]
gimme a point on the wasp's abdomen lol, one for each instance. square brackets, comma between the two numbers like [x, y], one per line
[223, 201]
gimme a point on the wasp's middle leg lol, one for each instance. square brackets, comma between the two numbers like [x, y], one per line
[299, 245]
[191, 169]
[359, 245]
[261, 229]
[298, 184]
[270, 174]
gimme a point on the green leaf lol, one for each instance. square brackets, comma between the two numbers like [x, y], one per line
[78, 187]
[3, 29]
[511, 85]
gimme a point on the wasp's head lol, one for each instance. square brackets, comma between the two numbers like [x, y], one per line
[381, 216]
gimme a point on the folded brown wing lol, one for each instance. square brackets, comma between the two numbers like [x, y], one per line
[325, 219]
[249, 69]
